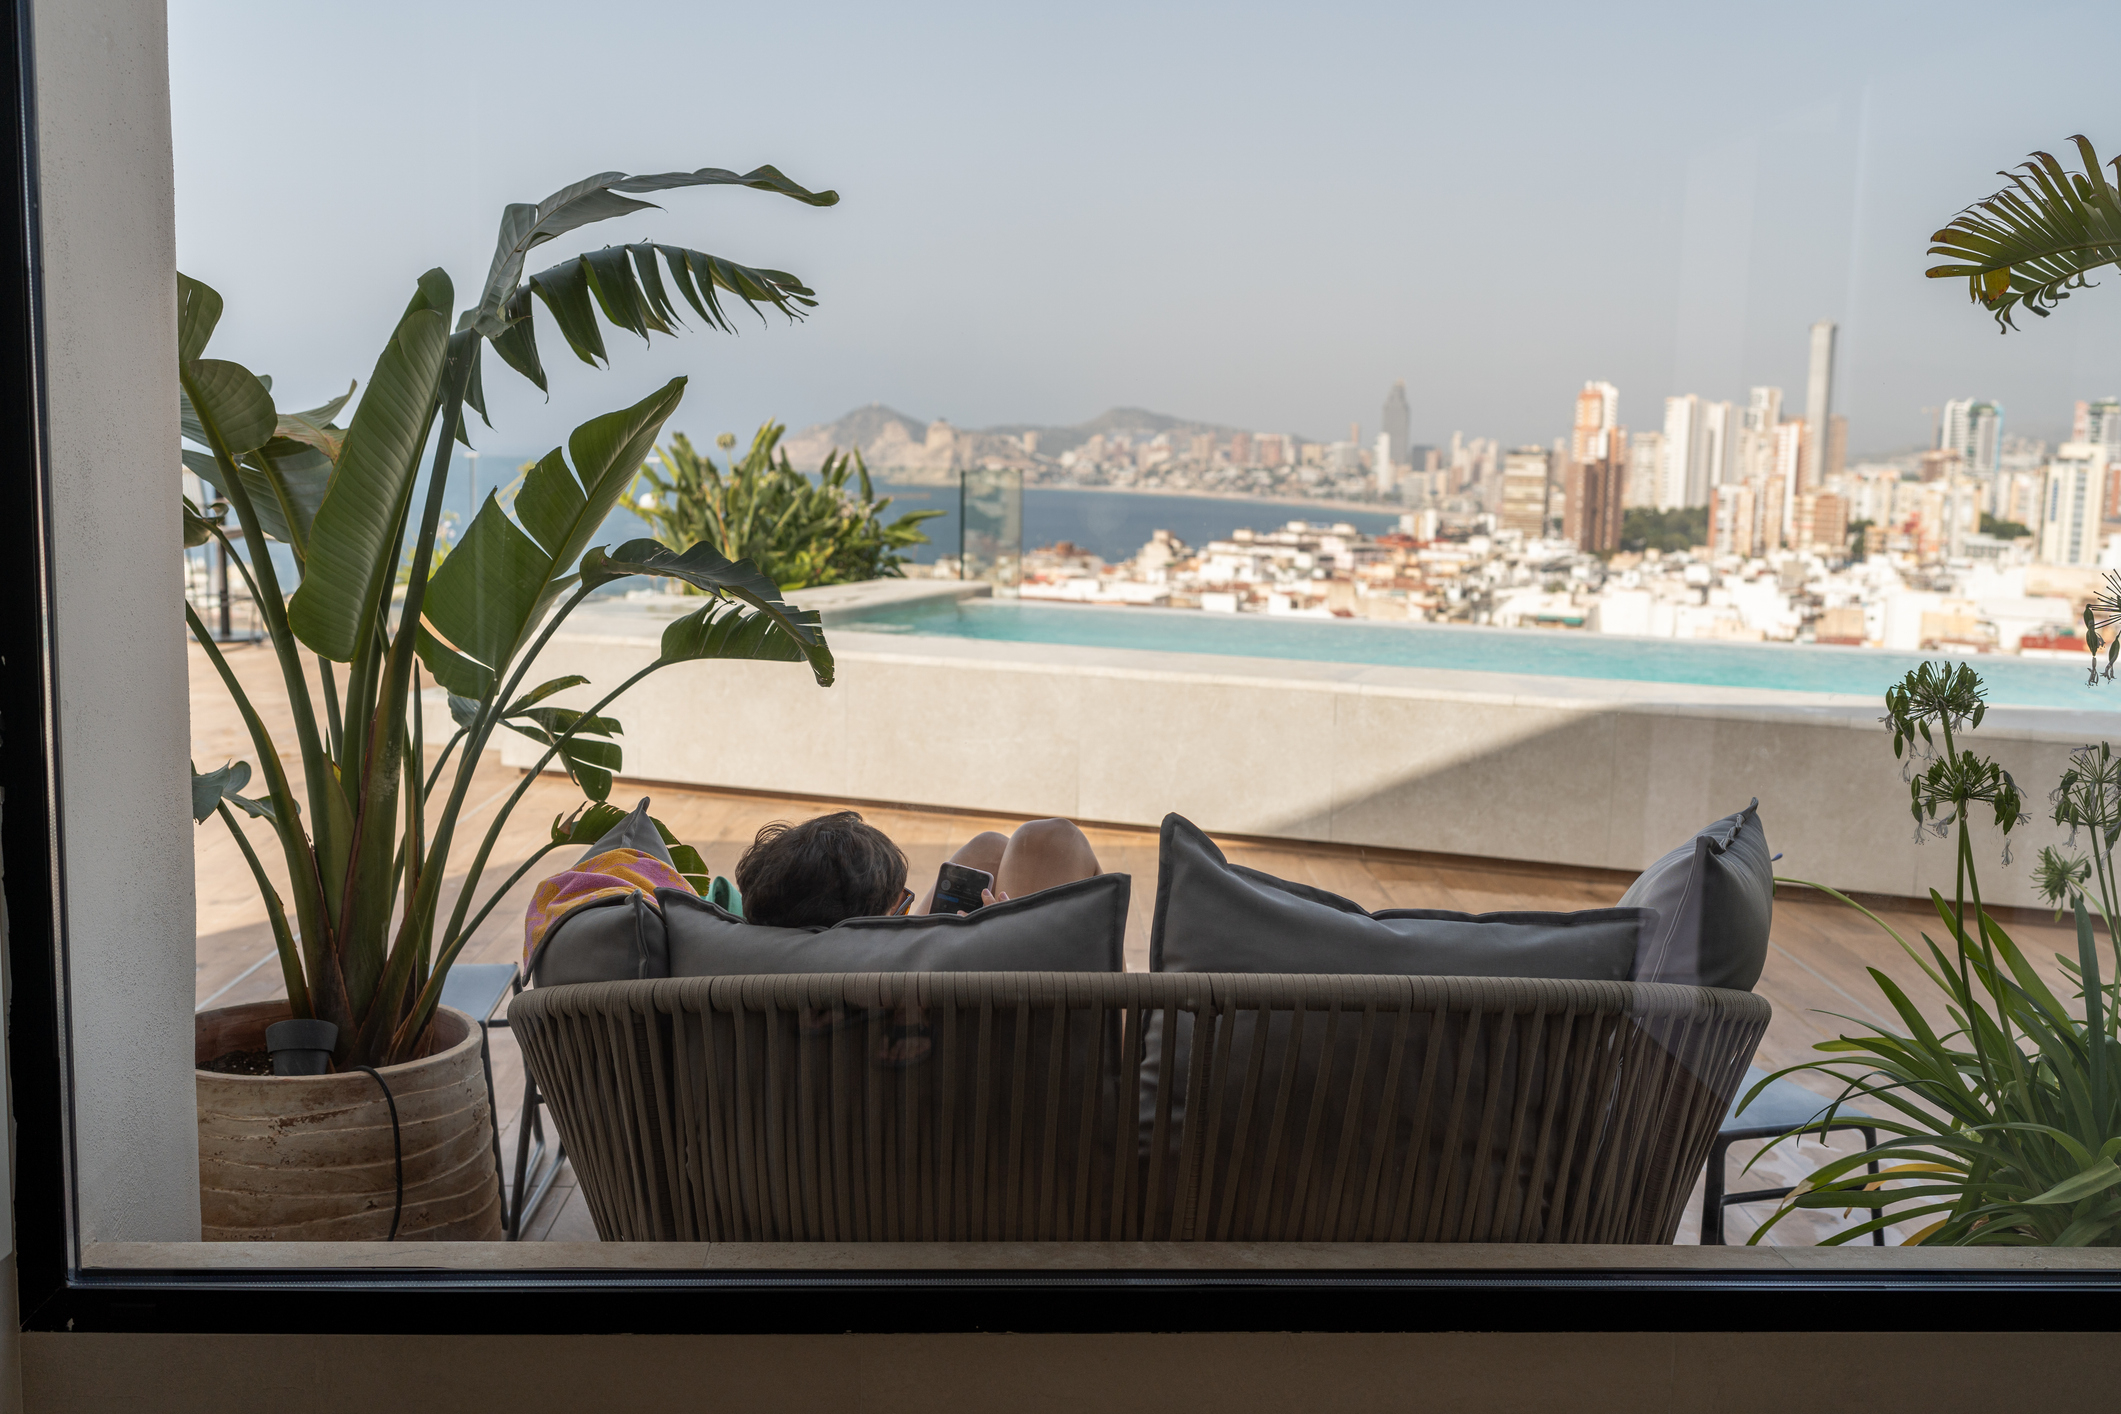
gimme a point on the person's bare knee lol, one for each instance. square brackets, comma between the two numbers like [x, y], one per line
[1044, 854]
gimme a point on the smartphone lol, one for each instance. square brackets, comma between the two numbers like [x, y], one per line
[957, 888]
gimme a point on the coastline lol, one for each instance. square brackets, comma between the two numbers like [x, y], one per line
[1253, 498]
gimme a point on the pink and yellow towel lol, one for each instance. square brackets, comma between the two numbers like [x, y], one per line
[606, 875]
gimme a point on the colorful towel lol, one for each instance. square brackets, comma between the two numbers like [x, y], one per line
[613, 873]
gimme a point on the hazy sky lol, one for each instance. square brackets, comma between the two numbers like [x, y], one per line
[1259, 216]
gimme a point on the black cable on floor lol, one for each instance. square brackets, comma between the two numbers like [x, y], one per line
[397, 1148]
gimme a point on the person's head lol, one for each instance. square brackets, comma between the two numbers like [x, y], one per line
[814, 874]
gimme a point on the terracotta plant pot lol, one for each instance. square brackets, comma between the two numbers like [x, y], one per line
[309, 1158]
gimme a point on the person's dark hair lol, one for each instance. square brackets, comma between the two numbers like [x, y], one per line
[814, 874]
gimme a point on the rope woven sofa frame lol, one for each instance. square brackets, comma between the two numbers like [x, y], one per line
[1137, 1106]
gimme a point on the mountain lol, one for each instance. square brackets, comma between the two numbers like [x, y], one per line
[936, 451]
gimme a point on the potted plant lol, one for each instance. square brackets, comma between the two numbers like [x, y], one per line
[394, 1137]
[2005, 1128]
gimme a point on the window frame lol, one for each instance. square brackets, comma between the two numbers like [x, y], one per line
[60, 1293]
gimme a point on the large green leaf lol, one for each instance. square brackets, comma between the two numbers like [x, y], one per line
[599, 198]
[314, 426]
[707, 568]
[488, 597]
[198, 311]
[623, 282]
[723, 630]
[286, 481]
[230, 408]
[2029, 245]
[353, 552]
[589, 756]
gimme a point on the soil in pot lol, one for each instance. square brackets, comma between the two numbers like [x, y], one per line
[311, 1158]
[240, 1063]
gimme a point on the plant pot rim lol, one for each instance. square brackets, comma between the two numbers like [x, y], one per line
[470, 1038]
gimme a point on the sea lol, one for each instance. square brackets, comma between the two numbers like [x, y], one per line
[1113, 525]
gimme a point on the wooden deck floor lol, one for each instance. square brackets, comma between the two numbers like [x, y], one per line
[1815, 971]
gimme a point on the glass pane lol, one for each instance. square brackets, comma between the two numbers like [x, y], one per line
[992, 527]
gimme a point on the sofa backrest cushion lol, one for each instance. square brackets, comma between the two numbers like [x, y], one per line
[1714, 898]
[1215, 916]
[615, 939]
[1077, 927]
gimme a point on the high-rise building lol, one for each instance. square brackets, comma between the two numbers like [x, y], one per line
[1974, 430]
[1382, 466]
[1525, 474]
[1395, 425]
[2099, 422]
[1645, 464]
[1597, 414]
[1732, 521]
[1763, 409]
[1791, 437]
[1240, 449]
[1676, 488]
[1822, 523]
[1837, 447]
[1720, 433]
[2076, 484]
[1818, 400]
[1594, 494]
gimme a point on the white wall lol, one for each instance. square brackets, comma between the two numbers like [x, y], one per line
[1608, 774]
[109, 291]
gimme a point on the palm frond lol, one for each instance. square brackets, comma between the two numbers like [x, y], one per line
[2032, 243]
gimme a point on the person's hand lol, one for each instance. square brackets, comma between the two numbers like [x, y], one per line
[988, 896]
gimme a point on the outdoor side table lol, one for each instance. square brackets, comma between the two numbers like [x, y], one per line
[1785, 1107]
[479, 988]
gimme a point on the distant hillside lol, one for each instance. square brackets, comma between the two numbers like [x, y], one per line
[935, 451]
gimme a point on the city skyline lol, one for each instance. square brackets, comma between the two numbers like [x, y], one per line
[1149, 228]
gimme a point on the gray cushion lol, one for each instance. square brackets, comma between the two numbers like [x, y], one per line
[1714, 898]
[1078, 927]
[605, 940]
[636, 831]
[1215, 916]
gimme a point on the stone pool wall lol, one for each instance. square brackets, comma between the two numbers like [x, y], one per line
[1499, 766]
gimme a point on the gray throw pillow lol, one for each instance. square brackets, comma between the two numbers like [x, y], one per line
[1078, 927]
[636, 831]
[1215, 916]
[1714, 898]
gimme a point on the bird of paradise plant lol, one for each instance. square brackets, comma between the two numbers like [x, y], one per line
[367, 834]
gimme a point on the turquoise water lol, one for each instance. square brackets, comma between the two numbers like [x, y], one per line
[2011, 681]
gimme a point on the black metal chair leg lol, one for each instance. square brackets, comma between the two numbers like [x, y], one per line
[1870, 1141]
[1712, 1195]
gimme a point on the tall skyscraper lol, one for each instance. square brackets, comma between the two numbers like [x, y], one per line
[1395, 423]
[2076, 484]
[1525, 473]
[2099, 422]
[1645, 465]
[1382, 466]
[1719, 446]
[1597, 415]
[1682, 454]
[1818, 402]
[1787, 479]
[1974, 430]
[1594, 492]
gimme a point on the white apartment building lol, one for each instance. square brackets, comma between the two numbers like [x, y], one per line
[1974, 430]
[1645, 467]
[2076, 493]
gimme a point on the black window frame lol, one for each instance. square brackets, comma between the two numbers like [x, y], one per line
[58, 1294]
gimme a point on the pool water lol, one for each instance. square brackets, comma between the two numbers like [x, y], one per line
[2011, 681]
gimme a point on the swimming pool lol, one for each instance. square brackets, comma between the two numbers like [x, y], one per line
[2012, 681]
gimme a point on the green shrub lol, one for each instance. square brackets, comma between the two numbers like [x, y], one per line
[798, 532]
